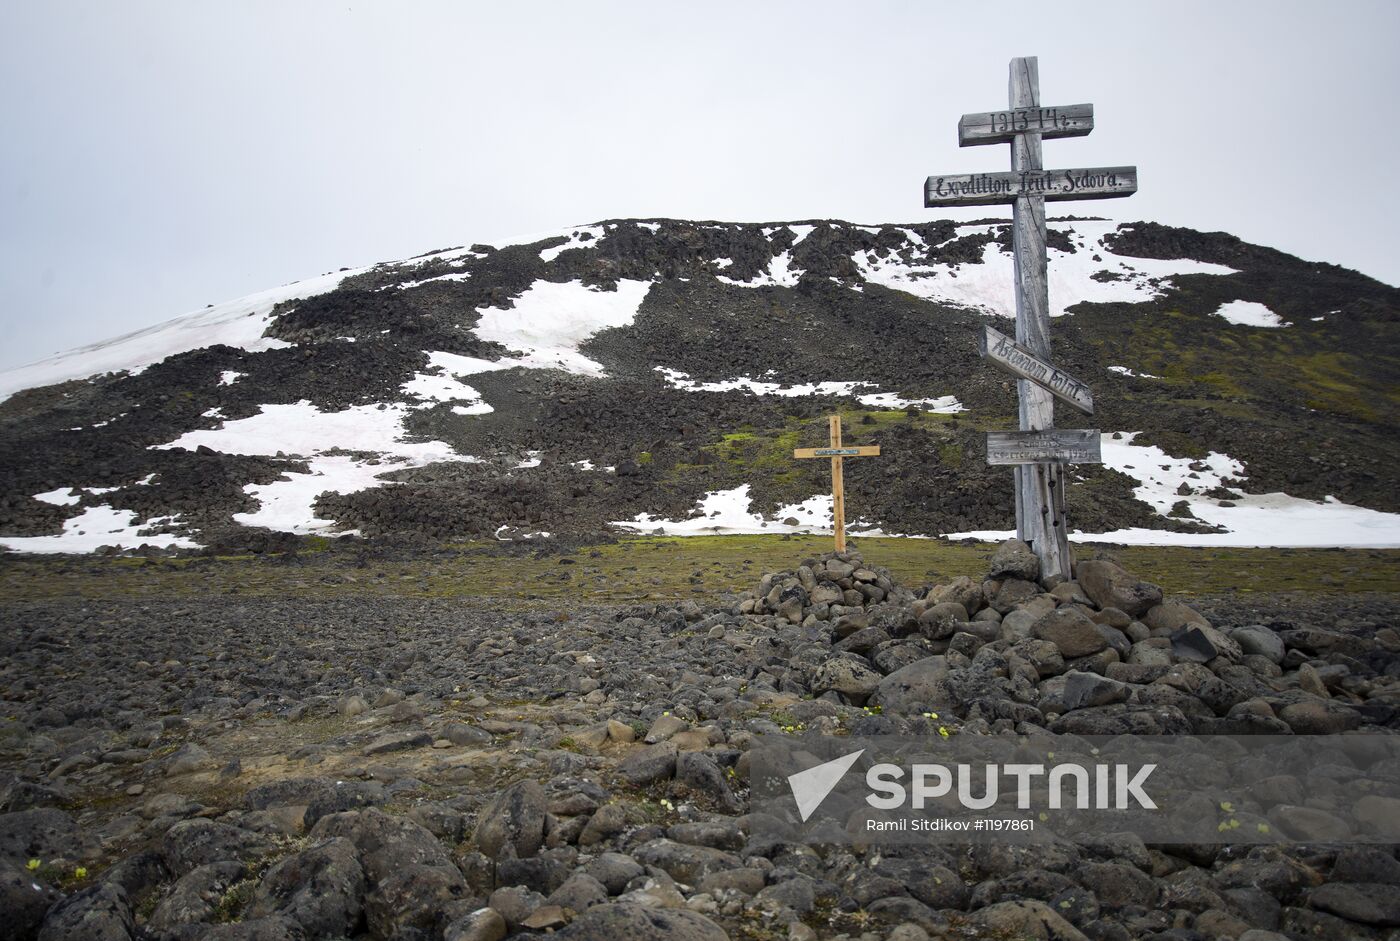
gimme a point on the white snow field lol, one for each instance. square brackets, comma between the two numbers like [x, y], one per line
[99, 526]
[238, 323]
[946, 404]
[987, 287]
[550, 321]
[1251, 314]
[304, 431]
[1274, 520]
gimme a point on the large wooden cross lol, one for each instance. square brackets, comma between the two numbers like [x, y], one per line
[1038, 450]
[837, 453]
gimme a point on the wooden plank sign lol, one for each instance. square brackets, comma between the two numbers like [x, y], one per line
[990, 189]
[1010, 356]
[838, 454]
[866, 451]
[1051, 446]
[1001, 127]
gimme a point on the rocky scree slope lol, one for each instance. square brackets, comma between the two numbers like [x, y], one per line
[618, 369]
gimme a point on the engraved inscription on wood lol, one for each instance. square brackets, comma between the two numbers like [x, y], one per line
[1010, 356]
[1054, 445]
[999, 127]
[990, 189]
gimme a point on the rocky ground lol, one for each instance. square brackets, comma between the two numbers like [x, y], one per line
[275, 768]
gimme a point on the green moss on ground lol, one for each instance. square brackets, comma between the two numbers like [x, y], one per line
[661, 569]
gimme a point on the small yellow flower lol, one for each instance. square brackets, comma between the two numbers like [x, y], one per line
[1262, 827]
[32, 865]
[1227, 806]
[80, 872]
[943, 731]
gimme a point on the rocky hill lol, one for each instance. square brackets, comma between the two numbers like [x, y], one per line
[658, 373]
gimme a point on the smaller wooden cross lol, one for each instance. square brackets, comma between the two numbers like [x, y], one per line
[837, 453]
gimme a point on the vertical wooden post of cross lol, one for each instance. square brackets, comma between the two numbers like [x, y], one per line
[838, 453]
[838, 486]
[1040, 516]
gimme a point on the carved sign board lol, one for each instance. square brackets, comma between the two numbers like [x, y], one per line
[1052, 446]
[1001, 127]
[867, 451]
[1010, 356]
[990, 189]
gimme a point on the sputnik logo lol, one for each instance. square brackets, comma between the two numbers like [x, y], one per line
[811, 787]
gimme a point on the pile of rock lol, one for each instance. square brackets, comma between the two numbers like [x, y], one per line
[1101, 654]
[828, 588]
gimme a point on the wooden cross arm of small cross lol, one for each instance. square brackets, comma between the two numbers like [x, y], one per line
[865, 451]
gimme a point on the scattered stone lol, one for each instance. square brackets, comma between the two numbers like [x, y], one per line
[484, 924]
[688, 864]
[664, 727]
[322, 889]
[1367, 902]
[99, 913]
[515, 819]
[1071, 631]
[846, 676]
[1089, 689]
[650, 763]
[1259, 641]
[398, 741]
[1109, 586]
[195, 896]
[460, 733]
[619, 920]
[916, 688]
[608, 821]
[1014, 558]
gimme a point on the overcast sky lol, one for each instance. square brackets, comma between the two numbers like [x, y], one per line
[156, 157]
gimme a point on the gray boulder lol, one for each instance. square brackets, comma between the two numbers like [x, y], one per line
[412, 880]
[515, 818]
[619, 920]
[195, 896]
[918, 687]
[321, 888]
[199, 842]
[685, 863]
[1014, 559]
[1070, 630]
[1111, 587]
[99, 913]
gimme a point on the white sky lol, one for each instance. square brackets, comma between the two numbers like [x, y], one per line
[155, 157]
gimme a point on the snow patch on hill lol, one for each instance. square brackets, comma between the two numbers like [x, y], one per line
[946, 404]
[1250, 314]
[238, 323]
[1073, 277]
[1267, 520]
[550, 321]
[730, 513]
[99, 526]
[302, 430]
